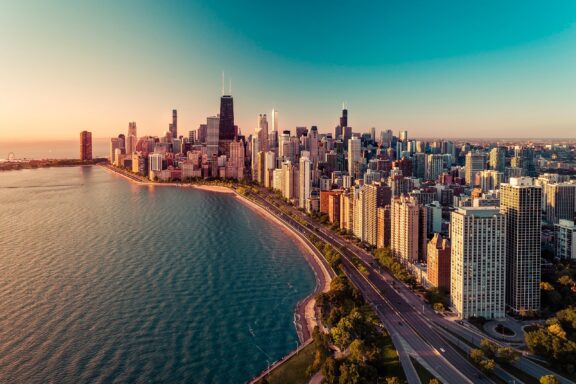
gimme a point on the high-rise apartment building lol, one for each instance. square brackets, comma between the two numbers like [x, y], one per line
[520, 202]
[475, 162]
[383, 227]
[438, 262]
[114, 144]
[354, 156]
[347, 211]
[498, 159]
[419, 165]
[489, 180]
[408, 230]
[305, 182]
[434, 166]
[560, 199]
[478, 262]
[565, 239]
[85, 145]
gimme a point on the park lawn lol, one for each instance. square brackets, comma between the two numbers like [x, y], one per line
[293, 371]
[392, 361]
[424, 374]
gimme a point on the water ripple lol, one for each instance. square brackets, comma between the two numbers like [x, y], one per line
[105, 282]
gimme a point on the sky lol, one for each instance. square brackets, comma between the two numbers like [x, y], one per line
[435, 68]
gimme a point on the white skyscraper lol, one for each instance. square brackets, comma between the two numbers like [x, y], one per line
[305, 179]
[354, 156]
[275, 127]
[262, 132]
[478, 262]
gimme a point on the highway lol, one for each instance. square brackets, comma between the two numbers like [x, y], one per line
[411, 333]
[420, 316]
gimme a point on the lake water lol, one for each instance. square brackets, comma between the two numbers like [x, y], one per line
[103, 281]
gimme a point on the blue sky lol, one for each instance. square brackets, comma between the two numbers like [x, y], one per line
[436, 69]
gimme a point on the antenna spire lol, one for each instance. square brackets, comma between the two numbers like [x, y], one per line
[222, 83]
[230, 86]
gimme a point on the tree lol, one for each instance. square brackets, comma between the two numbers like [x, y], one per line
[477, 355]
[487, 365]
[549, 379]
[350, 373]
[439, 307]
[393, 380]
[434, 381]
[565, 280]
[507, 355]
[488, 347]
[357, 351]
[330, 371]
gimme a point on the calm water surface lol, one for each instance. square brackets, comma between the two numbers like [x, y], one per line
[102, 281]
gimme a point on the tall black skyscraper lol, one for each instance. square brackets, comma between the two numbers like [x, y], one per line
[174, 126]
[226, 118]
[344, 118]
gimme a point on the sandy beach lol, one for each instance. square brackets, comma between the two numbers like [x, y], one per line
[305, 318]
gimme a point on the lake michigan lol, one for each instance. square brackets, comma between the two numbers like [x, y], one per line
[104, 281]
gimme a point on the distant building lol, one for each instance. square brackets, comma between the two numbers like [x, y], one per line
[478, 262]
[475, 162]
[85, 145]
[560, 200]
[173, 127]
[565, 239]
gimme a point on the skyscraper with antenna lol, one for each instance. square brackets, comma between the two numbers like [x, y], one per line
[226, 131]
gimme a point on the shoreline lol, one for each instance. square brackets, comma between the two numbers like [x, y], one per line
[305, 313]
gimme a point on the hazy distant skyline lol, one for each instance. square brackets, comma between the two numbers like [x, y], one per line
[447, 69]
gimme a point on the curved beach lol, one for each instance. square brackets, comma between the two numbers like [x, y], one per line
[305, 317]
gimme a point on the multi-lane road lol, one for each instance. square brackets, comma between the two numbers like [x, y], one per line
[415, 329]
[411, 334]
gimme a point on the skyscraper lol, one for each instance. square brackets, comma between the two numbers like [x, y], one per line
[275, 127]
[475, 162]
[434, 166]
[498, 159]
[305, 179]
[85, 145]
[131, 138]
[520, 202]
[354, 156]
[173, 128]
[344, 118]
[478, 262]
[438, 261]
[226, 131]
[408, 223]
[560, 202]
[212, 129]
[262, 132]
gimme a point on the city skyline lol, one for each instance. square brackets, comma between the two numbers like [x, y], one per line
[70, 67]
